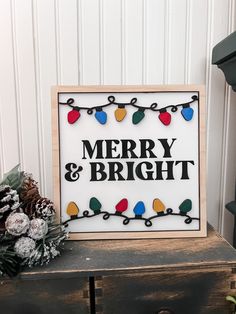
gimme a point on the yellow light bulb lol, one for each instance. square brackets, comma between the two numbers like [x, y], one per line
[158, 206]
[72, 210]
[120, 113]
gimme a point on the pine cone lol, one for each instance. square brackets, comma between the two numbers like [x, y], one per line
[29, 195]
[44, 209]
[9, 200]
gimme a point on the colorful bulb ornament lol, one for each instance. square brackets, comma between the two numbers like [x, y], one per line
[121, 206]
[95, 205]
[73, 115]
[158, 206]
[72, 210]
[120, 113]
[185, 207]
[100, 115]
[139, 209]
[187, 112]
[138, 116]
[164, 117]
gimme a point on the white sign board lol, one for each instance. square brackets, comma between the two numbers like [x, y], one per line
[129, 161]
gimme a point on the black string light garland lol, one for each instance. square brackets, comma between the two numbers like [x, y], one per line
[139, 210]
[120, 112]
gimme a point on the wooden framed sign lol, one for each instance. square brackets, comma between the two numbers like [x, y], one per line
[129, 161]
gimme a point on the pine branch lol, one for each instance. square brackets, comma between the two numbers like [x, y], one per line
[9, 263]
[13, 178]
[48, 247]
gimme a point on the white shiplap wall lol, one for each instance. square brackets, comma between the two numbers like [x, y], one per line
[49, 42]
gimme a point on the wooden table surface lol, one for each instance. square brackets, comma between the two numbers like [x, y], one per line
[101, 257]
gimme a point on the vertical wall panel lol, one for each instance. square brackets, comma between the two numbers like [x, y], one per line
[123, 42]
[198, 42]
[9, 128]
[216, 109]
[112, 54]
[67, 41]
[26, 85]
[46, 76]
[1, 145]
[167, 37]
[90, 45]
[155, 33]
[133, 41]
[177, 50]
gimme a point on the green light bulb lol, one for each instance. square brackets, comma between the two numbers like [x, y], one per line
[185, 206]
[95, 205]
[138, 116]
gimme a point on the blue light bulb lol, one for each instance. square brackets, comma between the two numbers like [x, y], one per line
[187, 113]
[101, 116]
[139, 209]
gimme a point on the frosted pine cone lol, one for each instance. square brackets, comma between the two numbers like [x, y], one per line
[44, 209]
[9, 199]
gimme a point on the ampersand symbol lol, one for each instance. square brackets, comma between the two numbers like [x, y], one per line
[73, 172]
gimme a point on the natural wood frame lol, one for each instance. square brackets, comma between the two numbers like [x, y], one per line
[200, 89]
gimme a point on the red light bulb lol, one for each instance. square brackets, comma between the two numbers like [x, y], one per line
[121, 206]
[73, 115]
[165, 117]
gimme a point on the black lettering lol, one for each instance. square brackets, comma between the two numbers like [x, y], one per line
[166, 146]
[160, 170]
[128, 146]
[90, 151]
[130, 171]
[114, 169]
[73, 172]
[184, 163]
[139, 171]
[146, 148]
[97, 168]
[111, 148]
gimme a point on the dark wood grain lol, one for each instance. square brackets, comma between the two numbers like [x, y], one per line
[179, 292]
[177, 276]
[44, 297]
[82, 258]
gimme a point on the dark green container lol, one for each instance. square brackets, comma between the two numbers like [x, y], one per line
[224, 56]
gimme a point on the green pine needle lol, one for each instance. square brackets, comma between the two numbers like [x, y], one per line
[13, 178]
[9, 263]
[231, 299]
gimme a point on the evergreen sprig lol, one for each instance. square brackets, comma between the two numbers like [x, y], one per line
[48, 247]
[13, 178]
[9, 262]
[45, 249]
